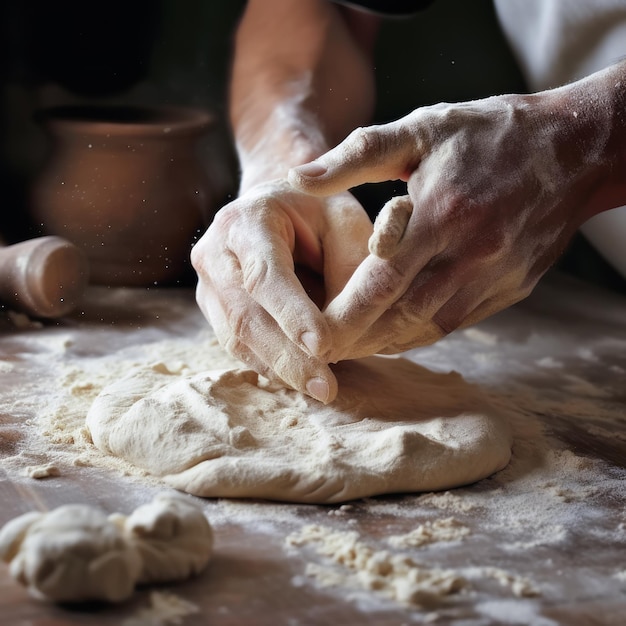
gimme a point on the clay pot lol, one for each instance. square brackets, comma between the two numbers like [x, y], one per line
[128, 186]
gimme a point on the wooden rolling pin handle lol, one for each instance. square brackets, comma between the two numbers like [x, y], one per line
[42, 277]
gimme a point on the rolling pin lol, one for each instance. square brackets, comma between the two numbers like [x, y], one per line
[42, 277]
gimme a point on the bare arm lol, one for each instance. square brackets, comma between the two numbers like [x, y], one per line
[301, 81]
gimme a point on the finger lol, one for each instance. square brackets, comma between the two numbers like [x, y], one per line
[209, 305]
[373, 289]
[377, 284]
[491, 306]
[261, 262]
[425, 333]
[409, 322]
[390, 226]
[239, 323]
[494, 291]
[368, 155]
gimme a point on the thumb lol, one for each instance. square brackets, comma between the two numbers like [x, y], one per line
[367, 155]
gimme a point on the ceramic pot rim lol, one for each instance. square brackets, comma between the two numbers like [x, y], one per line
[126, 120]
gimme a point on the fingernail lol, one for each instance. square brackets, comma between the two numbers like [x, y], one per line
[318, 388]
[310, 340]
[311, 170]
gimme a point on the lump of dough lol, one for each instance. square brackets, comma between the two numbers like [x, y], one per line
[76, 553]
[394, 427]
[173, 537]
[70, 554]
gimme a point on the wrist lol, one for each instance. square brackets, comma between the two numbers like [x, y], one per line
[269, 145]
[588, 121]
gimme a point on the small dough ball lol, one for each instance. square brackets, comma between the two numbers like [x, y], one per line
[71, 554]
[173, 537]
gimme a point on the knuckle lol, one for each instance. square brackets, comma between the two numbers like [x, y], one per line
[447, 325]
[410, 321]
[282, 365]
[224, 218]
[367, 140]
[523, 292]
[241, 325]
[198, 257]
[254, 274]
[389, 283]
[233, 346]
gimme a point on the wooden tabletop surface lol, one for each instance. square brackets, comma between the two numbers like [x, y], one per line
[555, 519]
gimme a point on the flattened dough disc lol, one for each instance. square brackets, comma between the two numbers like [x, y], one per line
[395, 427]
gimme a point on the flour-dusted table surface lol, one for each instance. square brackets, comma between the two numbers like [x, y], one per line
[543, 542]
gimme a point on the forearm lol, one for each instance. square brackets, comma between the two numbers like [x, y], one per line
[301, 80]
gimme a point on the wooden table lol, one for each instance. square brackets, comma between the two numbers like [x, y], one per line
[555, 518]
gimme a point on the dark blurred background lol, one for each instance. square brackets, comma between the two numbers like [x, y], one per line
[178, 52]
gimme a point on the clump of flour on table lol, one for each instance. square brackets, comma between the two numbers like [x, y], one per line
[165, 608]
[445, 529]
[357, 566]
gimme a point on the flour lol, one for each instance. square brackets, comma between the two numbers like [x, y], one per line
[22, 321]
[480, 336]
[599, 431]
[351, 563]
[42, 471]
[445, 529]
[549, 362]
[166, 609]
[447, 501]
[392, 576]
[520, 586]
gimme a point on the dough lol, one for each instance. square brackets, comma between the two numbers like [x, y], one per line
[76, 553]
[173, 537]
[70, 554]
[394, 427]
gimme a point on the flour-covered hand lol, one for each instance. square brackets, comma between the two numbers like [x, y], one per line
[496, 188]
[266, 266]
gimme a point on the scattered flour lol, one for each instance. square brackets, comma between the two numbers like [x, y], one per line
[520, 586]
[598, 431]
[447, 501]
[580, 386]
[480, 336]
[445, 529]
[549, 362]
[166, 609]
[393, 576]
[560, 495]
[350, 563]
[42, 471]
[22, 321]
[514, 612]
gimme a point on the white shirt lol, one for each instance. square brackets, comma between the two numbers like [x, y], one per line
[557, 42]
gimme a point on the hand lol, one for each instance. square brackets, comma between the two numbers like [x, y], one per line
[255, 263]
[496, 188]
